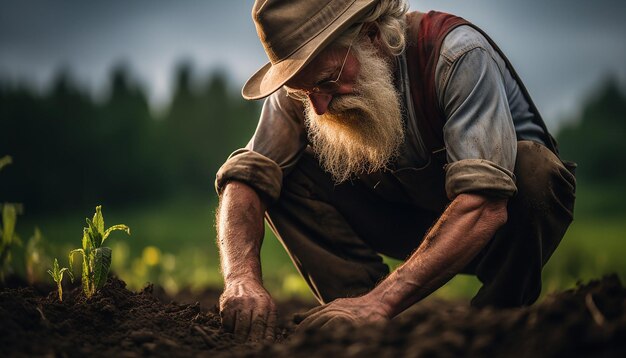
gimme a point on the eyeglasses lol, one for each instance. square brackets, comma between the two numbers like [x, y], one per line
[329, 87]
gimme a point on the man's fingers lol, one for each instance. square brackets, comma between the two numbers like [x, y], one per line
[313, 322]
[270, 329]
[242, 324]
[335, 323]
[259, 323]
[299, 317]
[228, 319]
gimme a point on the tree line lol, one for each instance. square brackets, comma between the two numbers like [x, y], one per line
[596, 140]
[70, 151]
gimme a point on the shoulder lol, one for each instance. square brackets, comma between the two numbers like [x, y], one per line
[468, 54]
[460, 41]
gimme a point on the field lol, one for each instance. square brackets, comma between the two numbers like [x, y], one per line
[172, 244]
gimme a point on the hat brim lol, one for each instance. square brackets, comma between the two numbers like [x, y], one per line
[271, 77]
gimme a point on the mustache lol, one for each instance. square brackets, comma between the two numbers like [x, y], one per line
[349, 107]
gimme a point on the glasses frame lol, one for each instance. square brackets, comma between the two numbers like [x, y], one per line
[326, 87]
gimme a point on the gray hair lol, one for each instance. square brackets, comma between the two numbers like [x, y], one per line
[388, 15]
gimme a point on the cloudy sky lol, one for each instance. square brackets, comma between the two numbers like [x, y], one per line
[561, 48]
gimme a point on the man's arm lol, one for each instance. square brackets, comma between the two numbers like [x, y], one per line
[246, 307]
[464, 229]
[461, 232]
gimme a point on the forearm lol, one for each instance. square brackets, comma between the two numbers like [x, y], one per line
[465, 227]
[240, 232]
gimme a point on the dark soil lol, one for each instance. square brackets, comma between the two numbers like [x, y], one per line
[587, 321]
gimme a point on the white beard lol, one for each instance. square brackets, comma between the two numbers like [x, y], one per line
[360, 133]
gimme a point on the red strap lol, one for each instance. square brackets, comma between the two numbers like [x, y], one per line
[426, 33]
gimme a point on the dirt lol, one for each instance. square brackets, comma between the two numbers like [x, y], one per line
[589, 320]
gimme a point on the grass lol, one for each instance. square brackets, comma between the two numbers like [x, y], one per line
[592, 247]
[173, 243]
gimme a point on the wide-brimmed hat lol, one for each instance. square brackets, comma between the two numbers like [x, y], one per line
[293, 32]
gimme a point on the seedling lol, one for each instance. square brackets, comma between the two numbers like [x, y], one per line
[96, 258]
[6, 160]
[35, 257]
[8, 237]
[57, 276]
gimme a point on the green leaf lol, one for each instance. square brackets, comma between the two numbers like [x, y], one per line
[120, 227]
[94, 235]
[85, 277]
[87, 244]
[102, 263]
[37, 235]
[9, 217]
[55, 271]
[98, 220]
[71, 256]
[4, 161]
[34, 249]
[17, 240]
[65, 269]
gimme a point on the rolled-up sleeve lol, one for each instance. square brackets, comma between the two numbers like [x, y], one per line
[479, 132]
[272, 151]
[254, 169]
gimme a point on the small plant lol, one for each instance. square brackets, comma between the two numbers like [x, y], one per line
[35, 257]
[96, 258]
[6, 160]
[57, 276]
[8, 237]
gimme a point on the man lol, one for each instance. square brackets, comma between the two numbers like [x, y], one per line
[385, 132]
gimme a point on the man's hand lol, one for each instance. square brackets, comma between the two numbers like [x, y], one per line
[354, 311]
[248, 311]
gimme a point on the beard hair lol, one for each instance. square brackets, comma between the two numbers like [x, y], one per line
[360, 133]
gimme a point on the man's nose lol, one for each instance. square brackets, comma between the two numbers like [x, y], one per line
[320, 102]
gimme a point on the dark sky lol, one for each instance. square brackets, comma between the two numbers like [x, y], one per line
[561, 48]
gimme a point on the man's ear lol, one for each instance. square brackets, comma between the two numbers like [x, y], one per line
[372, 31]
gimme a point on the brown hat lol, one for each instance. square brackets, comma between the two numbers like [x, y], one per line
[293, 32]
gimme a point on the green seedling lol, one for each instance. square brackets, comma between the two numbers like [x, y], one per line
[96, 258]
[57, 276]
[6, 160]
[35, 257]
[8, 237]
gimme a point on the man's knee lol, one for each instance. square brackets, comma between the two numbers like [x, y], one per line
[541, 177]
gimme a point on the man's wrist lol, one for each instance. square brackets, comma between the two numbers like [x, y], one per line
[242, 278]
[377, 298]
[392, 293]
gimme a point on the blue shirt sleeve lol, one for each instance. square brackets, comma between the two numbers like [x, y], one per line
[479, 132]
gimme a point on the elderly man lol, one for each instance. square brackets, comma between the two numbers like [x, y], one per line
[408, 135]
